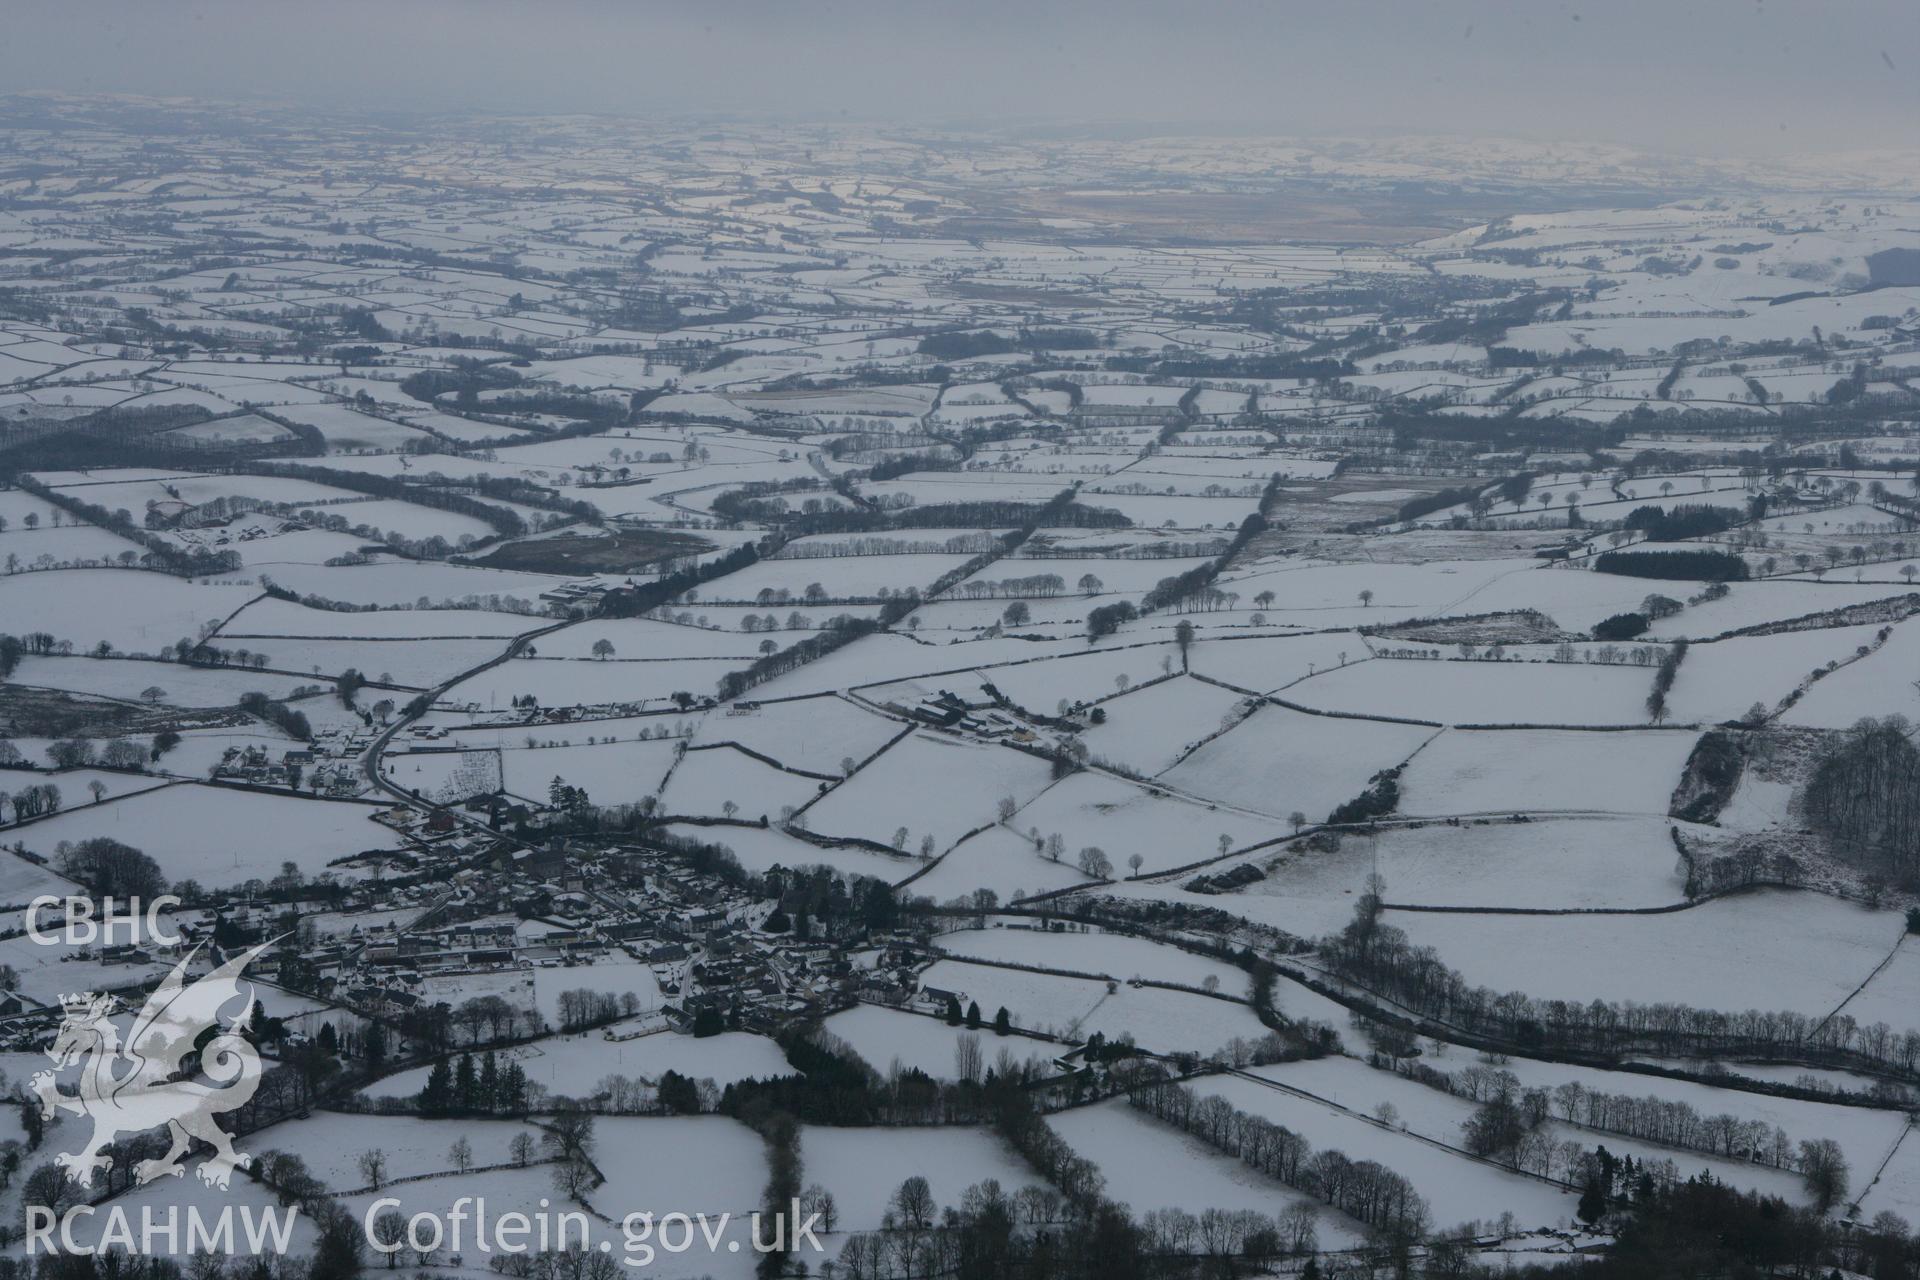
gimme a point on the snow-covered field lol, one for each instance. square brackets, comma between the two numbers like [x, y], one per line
[221, 836]
[1540, 770]
[1550, 863]
[1878, 685]
[883, 1037]
[1001, 860]
[1704, 956]
[707, 782]
[1103, 954]
[1126, 819]
[173, 684]
[134, 612]
[864, 1167]
[1269, 663]
[1720, 681]
[1071, 1009]
[575, 1066]
[1279, 761]
[1482, 692]
[1892, 995]
[612, 773]
[930, 785]
[1150, 729]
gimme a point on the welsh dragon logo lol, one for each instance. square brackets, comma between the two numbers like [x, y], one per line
[132, 1088]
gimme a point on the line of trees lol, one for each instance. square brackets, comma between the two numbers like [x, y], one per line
[631, 602]
[833, 1085]
[76, 753]
[1365, 1190]
[488, 1086]
[671, 1095]
[838, 633]
[1669, 1121]
[959, 544]
[41, 799]
[1192, 588]
[288, 719]
[1381, 959]
[1033, 586]
[956, 515]
[502, 520]
[1428, 503]
[1510, 1125]
[110, 869]
[1663, 680]
[582, 1008]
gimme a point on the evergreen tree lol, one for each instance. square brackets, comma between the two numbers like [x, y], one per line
[437, 1098]
[678, 1095]
[513, 1089]
[375, 1043]
[466, 1085]
[1593, 1205]
[490, 1082]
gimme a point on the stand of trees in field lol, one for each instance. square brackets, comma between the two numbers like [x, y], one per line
[1688, 520]
[1688, 566]
[1702, 1227]
[1863, 798]
[963, 345]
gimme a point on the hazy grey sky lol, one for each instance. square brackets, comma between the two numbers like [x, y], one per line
[1684, 75]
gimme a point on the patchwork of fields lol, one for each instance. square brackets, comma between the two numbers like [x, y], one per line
[698, 678]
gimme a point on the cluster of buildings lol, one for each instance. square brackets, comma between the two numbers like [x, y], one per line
[947, 710]
[583, 594]
[319, 768]
[482, 916]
